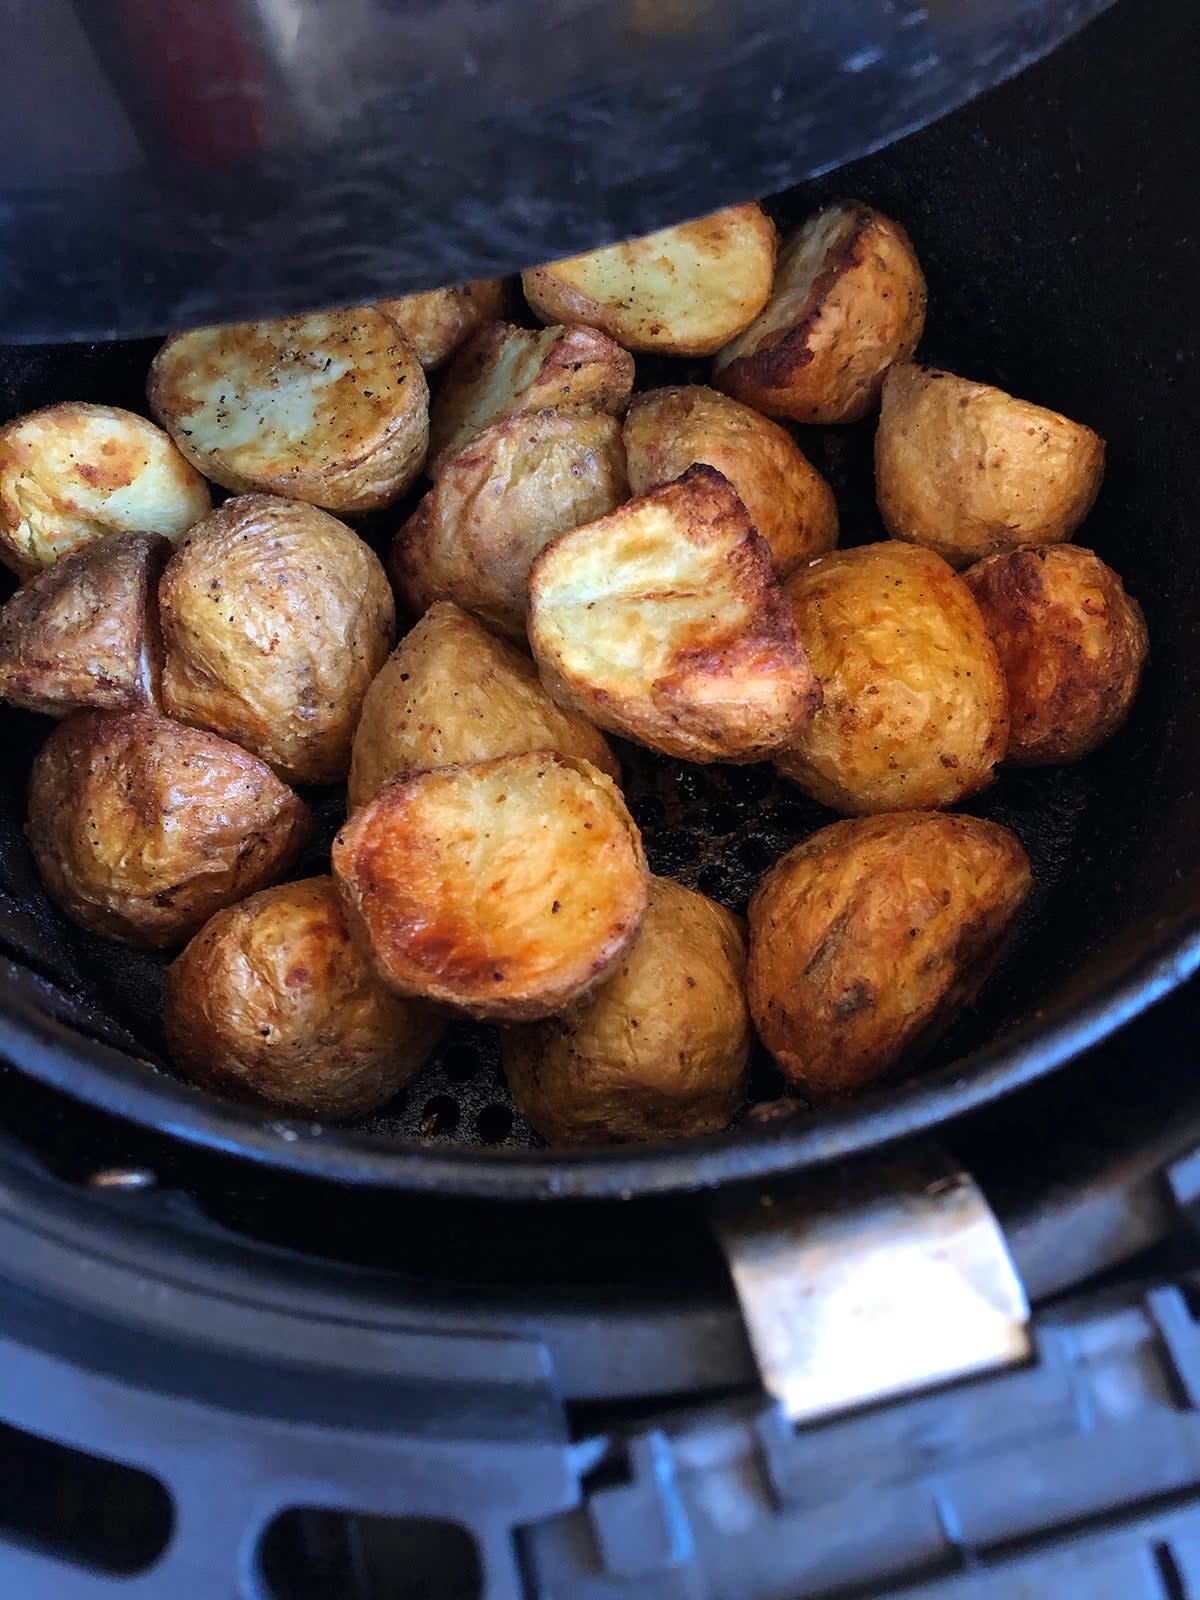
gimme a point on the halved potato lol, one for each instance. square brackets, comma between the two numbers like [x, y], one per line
[848, 301]
[681, 291]
[436, 322]
[664, 623]
[74, 472]
[498, 502]
[503, 370]
[331, 408]
[507, 888]
[84, 632]
[791, 505]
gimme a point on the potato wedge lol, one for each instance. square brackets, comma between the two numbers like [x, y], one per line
[791, 505]
[664, 623]
[681, 291]
[72, 473]
[500, 501]
[848, 302]
[436, 323]
[332, 408]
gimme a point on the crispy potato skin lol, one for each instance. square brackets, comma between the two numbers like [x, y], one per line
[848, 301]
[503, 371]
[507, 888]
[436, 323]
[332, 408]
[273, 1002]
[84, 632]
[450, 694]
[664, 623]
[275, 618]
[969, 471]
[142, 828]
[1071, 643]
[682, 291]
[915, 709]
[872, 935]
[659, 1051]
[72, 473]
[789, 502]
[498, 502]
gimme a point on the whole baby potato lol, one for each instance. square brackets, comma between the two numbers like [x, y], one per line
[436, 322]
[871, 936]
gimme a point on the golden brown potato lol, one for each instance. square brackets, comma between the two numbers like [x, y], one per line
[791, 505]
[507, 888]
[503, 371]
[74, 472]
[84, 632]
[968, 470]
[436, 323]
[871, 936]
[659, 1051]
[664, 623]
[142, 828]
[451, 693]
[915, 711]
[682, 291]
[331, 408]
[498, 502]
[848, 301]
[1071, 643]
[275, 618]
[272, 1001]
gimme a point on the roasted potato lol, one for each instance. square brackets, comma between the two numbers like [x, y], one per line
[498, 502]
[1071, 643]
[507, 888]
[659, 1051]
[451, 693]
[275, 618]
[664, 623]
[332, 408]
[142, 828]
[682, 291]
[848, 301]
[968, 470]
[503, 371]
[872, 935]
[915, 710]
[84, 632]
[791, 505]
[436, 323]
[74, 472]
[272, 1001]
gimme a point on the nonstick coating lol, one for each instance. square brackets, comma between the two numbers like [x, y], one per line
[1061, 265]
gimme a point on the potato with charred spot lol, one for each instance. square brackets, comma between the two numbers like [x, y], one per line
[659, 1051]
[272, 1001]
[1071, 643]
[506, 888]
[871, 936]
[436, 322]
[142, 828]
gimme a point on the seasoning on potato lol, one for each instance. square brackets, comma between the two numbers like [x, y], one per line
[507, 888]
[72, 473]
[789, 502]
[969, 471]
[1071, 643]
[275, 618]
[272, 1001]
[871, 936]
[332, 408]
[664, 623]
[498, 502]
[142, 828]
[451, 693]
[84, 632]
[915, 709]
[848, 302]
[436, 322]
[659, 1051]
[682, 291]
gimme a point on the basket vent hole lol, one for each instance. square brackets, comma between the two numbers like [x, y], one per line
[494, 1124]
[439, 1115]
